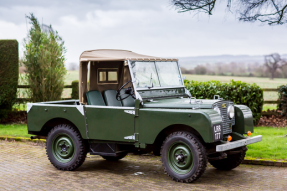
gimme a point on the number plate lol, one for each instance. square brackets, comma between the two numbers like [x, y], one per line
[217, 132]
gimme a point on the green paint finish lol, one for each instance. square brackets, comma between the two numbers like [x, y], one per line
[141, 124]
[39, 115]
[243, 119]
[180, 158]
[152, 121]
[112, 124]
[63, 148]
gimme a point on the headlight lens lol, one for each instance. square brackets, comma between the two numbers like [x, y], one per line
[230, 111]
[217, 110]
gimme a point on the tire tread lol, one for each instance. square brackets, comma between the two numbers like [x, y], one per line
[199, 148]
[82, 153]
[229, 163]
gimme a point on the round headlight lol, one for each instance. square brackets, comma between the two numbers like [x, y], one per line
[217, 110]
[230, 111]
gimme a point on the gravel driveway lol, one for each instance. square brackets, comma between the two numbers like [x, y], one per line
[24, 166]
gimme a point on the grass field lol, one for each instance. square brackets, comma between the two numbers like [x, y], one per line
[273, 146]
[15, 130]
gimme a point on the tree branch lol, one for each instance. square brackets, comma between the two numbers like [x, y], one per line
[265, 11]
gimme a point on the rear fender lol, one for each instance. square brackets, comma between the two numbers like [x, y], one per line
[43, 116]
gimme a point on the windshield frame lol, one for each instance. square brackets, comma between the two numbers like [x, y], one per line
[154, 88]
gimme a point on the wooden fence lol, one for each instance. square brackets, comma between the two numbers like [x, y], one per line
[270, 90]
[70, 86]
[28, 99]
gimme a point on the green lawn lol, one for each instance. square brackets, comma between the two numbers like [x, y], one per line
[269, 106]
[273, 146]
[15, 130]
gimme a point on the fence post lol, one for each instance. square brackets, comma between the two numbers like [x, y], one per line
[75, 89]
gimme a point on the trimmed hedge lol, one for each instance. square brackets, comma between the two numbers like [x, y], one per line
[9, 72]
[75, 89]
[239, 92]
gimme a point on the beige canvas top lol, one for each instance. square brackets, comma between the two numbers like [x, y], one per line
[118, 55]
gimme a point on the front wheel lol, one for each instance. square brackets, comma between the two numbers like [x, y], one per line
[65, 148]
[231, 162]
[183, 157]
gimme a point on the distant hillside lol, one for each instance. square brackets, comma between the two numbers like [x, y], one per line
[191, 62]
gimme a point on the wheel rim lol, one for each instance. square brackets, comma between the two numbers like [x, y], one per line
[63, 148]
[180, 158]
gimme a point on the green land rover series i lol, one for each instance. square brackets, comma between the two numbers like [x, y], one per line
[130, 102]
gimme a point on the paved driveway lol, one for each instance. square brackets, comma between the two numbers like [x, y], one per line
[24, 166]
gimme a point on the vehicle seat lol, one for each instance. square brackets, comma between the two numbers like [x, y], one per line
[128, 102]
[94, 97]
[110, 98]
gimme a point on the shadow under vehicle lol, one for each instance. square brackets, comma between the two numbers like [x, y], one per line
[130, 102]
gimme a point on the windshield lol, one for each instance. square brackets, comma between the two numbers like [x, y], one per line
[156, 74]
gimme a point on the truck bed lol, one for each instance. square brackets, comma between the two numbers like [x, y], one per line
[44, 115]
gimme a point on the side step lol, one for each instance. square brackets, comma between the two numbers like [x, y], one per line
[107, 149]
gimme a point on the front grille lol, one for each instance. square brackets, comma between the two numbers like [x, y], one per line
[226, 122]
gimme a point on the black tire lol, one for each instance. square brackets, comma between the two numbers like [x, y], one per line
[115, 158]
[231, 162]
[191, 151]
[75, 149]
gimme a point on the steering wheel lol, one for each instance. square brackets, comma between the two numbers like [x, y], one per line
[128, 91]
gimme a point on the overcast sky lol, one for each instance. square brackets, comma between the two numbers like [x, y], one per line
[151, 27]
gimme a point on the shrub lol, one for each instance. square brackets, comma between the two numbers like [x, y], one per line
[44, 62]
[9, 71]
[282, 105]
[239, 92]
[75, 89]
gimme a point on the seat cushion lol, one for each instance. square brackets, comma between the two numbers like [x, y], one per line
[110, 98]
[94, 97]
[128, 102]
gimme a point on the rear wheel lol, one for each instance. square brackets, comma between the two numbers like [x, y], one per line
[115, 158]
[183, 157]
[231, 162]
[65, 147]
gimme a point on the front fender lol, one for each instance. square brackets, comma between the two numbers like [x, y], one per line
[152, 121]
[243, 119]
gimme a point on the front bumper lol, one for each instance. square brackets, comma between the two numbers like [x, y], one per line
[240, 143]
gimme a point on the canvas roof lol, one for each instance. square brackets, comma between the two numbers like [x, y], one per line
[118, 55]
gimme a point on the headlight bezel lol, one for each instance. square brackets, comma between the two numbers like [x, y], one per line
[231, 111]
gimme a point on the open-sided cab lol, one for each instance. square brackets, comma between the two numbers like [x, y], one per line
[131, 102]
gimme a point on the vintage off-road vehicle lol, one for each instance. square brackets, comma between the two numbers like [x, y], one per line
[130, 102]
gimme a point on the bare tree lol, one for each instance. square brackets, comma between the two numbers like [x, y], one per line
[272, 12]
[73, 66]
[274, 62]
